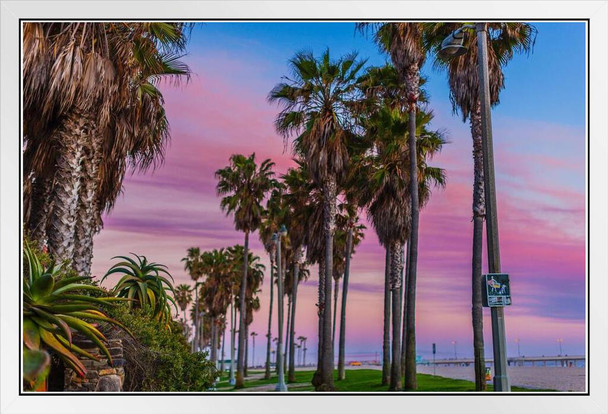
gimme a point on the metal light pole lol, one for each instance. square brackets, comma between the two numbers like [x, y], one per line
[559, 341]
[499, 341]
[253, 335]
[453, 46]
[281, 386]
[232, 378]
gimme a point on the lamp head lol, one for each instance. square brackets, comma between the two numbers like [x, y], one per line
[283, 230]
[453, 45]
[275, 237]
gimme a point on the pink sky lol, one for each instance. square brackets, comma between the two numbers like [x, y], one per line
[540, 171]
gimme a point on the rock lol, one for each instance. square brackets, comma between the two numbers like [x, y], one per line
[108, 383]
[109, 371]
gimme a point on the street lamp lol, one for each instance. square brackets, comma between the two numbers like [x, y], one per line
[281, 386]
[453, 46]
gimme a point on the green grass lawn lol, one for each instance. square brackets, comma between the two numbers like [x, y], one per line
[367, 380]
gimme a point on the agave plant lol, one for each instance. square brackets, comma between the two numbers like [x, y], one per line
[36, 367]
[145, 286]
[55, 307]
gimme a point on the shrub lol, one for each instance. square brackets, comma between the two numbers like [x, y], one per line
[159, 359]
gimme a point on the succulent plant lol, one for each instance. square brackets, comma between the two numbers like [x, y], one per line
[55, 307]
[145, 286]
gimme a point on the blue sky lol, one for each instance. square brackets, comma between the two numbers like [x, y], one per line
[558, 44]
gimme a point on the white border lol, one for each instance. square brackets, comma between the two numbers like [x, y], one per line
[11, 11]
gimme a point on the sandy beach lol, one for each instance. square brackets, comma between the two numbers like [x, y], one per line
[556, 378]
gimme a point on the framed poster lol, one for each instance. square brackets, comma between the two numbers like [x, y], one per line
[228, 188]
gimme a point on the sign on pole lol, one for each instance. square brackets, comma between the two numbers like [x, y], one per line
[496, 290]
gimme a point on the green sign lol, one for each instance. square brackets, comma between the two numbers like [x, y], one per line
[496, 290]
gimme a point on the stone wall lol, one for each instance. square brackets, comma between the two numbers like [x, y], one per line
[100, 376]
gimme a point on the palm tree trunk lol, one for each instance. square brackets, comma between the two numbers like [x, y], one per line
[201, 334]
[395, 285]
[246, 363]
[479, 213]
[412, 80]
[88, 219]
[316, 379]
[329, 226]
[404, 306]
[240, 369]
[223, 359]
[77, 128]
[386, 342]
[333, 328]
[269, 334]
[39, 205]
[213, 347]
[341, 347]
[291, 376]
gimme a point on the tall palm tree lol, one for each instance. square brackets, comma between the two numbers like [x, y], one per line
[91, 109]
[183, 296]
[354, 236]
[272, 215]
[194, 266]
[388, 207]
[244, 185]
[338, 271]
[389, 198]
[255, 277]
[384, 90]
[463, 77]
[403, 42]
[316, 109]
[308, 197]
[217, 291]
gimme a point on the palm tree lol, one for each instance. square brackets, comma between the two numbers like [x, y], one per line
[339, 262]
[244, 186]
[354, 235]
[388, 198]
[217, 291]
[271, 216]
[183, 296]
[297, 198]
[463, 77]
[255, 277]
[316, 109]
[306, 195]
[194, 266]
[403, 42]
[91, 109]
